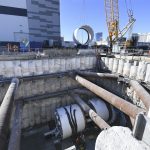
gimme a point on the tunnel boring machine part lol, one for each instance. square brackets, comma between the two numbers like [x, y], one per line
[89, 32]
[70, 120]
[100, 107]
[92, 114]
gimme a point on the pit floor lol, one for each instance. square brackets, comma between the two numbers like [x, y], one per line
[34, 140]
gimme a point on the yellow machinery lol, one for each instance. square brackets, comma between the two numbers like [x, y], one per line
[112, 19]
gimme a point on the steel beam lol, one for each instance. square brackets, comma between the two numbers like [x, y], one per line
[92, 114]
[43, 76]
[83, 92]
[47, 95]
[5, 112]
[141, 92]
[95, 74]
[114, 100]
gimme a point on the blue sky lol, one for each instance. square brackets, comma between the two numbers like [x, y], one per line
[75, 13]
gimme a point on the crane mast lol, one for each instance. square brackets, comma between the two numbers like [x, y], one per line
[112, 19]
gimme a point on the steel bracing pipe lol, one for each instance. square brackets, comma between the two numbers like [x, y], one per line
[114, 100]
[98, 120]
[15, 137]
[5, 112]
[141, 92]
[92, 114]
[95, 74]
[47, 95]
[80, 102]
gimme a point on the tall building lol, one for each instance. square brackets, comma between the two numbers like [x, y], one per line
[35, 20]
[99, 36]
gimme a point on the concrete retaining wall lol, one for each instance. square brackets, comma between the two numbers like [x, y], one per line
[41, 111]
[130, 68]
[20, 68]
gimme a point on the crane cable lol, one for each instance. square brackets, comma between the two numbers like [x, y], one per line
[130, 15]
[129, 10]
[83, 11]
[131, 6]
[83, 19]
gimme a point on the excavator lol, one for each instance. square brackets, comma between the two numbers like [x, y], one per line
[112, 19]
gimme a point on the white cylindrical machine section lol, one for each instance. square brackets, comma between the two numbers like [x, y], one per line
[100, 107]
[110, 65]
[67, 114]
[120, 66]
[141, 72]
[126, 69]
[89, 32]
[115, 65]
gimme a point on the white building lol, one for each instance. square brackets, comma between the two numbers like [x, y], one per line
[35, 20]
[142, 38]
[103, 42]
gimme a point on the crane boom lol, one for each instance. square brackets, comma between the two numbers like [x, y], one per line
[126, 28]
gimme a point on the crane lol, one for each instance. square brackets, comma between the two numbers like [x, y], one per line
[112, 19]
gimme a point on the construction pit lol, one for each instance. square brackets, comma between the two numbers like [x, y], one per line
[70, 100]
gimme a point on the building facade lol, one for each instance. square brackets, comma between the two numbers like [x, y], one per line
[13, 19]
[44, 19]
[33, 20]
[143, 39]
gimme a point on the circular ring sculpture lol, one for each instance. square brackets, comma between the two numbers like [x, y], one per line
[89, 32]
